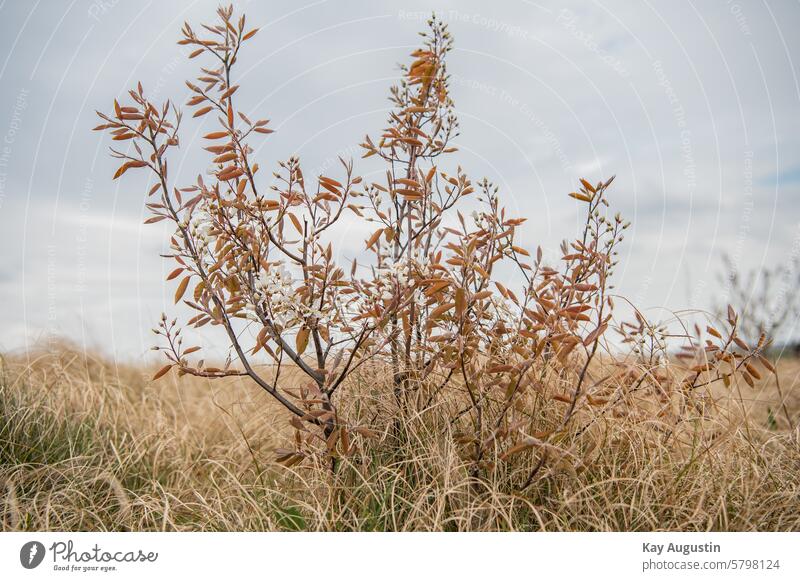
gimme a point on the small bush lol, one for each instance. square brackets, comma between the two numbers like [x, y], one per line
[419, 341]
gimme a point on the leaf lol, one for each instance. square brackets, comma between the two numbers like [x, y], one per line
[752, 370]
[406, 182]
[175, 273]
[437, 287]
[301, 341]
[126, 166]
[460, 301]
[295, 222]
[250, 34]
[766, 363]
[120, 170]
[226, 157]
[374, 238]
[366, 432]
[202, 111]
[584, 287]
[409, 194]
[521, 447]
[596, 401]
[582, 197]
[591, 337]
[741, 344]
[216, 135]
[228, 93]
[731, 315]
[500, 368]
[441, 309]
[182, 288]
[330, 182]
[162, 372]
[430, 174]
[230, 174]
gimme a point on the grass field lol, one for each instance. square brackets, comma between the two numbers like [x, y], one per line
[89, 445]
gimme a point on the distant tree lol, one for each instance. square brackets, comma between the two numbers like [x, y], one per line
[768, 296]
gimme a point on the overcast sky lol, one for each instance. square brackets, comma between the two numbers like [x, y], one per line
[693, 105]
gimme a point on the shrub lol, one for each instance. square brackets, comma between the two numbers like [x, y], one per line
[429, 311]
[768, 295]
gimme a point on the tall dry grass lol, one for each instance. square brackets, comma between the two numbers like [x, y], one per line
[89, 445]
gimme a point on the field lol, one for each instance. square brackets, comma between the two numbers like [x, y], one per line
[89, 445]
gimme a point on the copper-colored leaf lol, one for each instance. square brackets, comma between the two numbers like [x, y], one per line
[250, 34]
[295, 222]
[174, 273]
[580, 196]
[230, 91]
[440, 310]
[374, 238]
[301, 341]
[460, 300]
[182, 288]
[162, 372]
[202, 111]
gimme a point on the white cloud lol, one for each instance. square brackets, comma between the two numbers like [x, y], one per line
[693, 107]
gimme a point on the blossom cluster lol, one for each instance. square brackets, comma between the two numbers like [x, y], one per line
[275, 290]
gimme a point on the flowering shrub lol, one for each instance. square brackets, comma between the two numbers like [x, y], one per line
[424, 308]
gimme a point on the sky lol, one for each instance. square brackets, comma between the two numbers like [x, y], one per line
[692, 105]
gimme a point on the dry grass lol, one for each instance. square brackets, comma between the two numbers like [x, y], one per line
[87, 445]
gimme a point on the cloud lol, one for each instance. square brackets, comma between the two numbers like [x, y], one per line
[693, 107]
